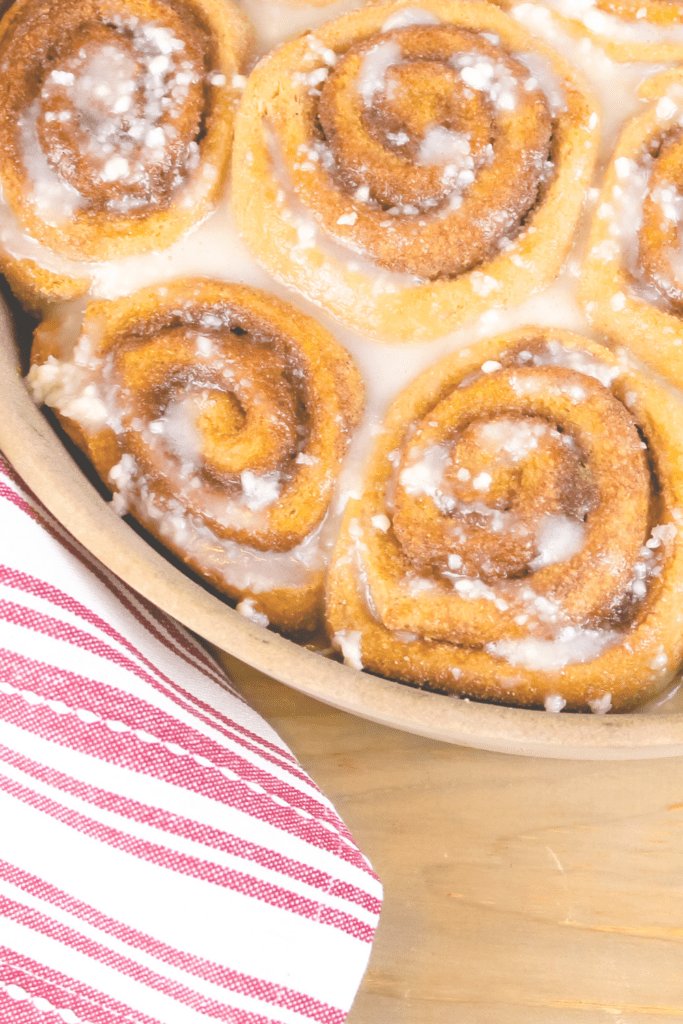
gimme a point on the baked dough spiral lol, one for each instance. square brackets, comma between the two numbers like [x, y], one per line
[632, 278]
[409, 165]
[627, 30]
[219, 416]
[518, 536]
[116, 124]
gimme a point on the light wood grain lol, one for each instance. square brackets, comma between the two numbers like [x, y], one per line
[517, 890]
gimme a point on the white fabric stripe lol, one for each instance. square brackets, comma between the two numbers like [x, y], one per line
[176, 974]
[175, 751]
[182, 845]
[43, 567]
[196, 807]
[140, 611]
[62, 655]
[198, 919]
[71, 658]
[44, 559]
[50, 608]
[74, 964]
[203, 918]
[39, 556]
[20, 995]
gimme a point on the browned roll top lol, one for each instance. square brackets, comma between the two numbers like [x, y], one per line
[436, 140]
[517, 536]
[489, 475]
[100, 99]
[219, 416]
[658, 238]
[239, 395]
[405, 166]
[114, 116]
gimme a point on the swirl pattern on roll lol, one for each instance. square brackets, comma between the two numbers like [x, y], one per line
[628, 30]
[413, 164]
[632, 277]
[518, 536]
[115, 122]
[219, 416]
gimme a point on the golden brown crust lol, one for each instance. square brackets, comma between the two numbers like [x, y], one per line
[115, 125]
[289, 178]
[37, 288]
[513, 439]
[221, 415]
[628, 286]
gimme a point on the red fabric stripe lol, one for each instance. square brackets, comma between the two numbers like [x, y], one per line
[99, 740]
[90, 1013]
[30, 585]
[47, 591]
[110, 703]
[153, 620]
[59, 630]
[75, 940]
[36, 511]
[24, 1012]
[165, 627]
[192, 867]
[24, 499]
[81, 999]
[195, 831]
[68, 936]
[215, 973]
[125, 749]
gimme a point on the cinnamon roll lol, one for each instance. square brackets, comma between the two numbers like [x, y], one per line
[219, 417]
[518, 539]
[408, 166]
[627, 30]
[632, 278]
[116, 124]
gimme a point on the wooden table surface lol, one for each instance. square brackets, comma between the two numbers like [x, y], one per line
[516, 889]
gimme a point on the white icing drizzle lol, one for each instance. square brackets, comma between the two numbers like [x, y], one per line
[408, 16]
[607, 78]
[622, 30]
[348, 641]
[572, 646]
[248, 609]
[558, 539]
[374, 66]
[494, 79]
[102, 90]
[625, 211]
[214, 249]
[554, 703]
[545, 77]
[82, 389]
[601, 705]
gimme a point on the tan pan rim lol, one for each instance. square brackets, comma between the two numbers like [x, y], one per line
[37, 455]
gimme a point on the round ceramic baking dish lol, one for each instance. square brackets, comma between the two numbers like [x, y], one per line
[38, 455]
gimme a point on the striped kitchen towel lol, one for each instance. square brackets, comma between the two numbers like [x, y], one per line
[164, 859]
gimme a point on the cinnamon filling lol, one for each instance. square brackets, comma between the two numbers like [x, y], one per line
[435, 142]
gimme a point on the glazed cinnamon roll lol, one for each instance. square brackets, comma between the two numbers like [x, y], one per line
[632, 278]
[410, 165]
[518, 539]
[115, 131]
[628, 30]
[219, 417]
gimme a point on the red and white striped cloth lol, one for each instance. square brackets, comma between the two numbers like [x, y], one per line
[164, 859]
